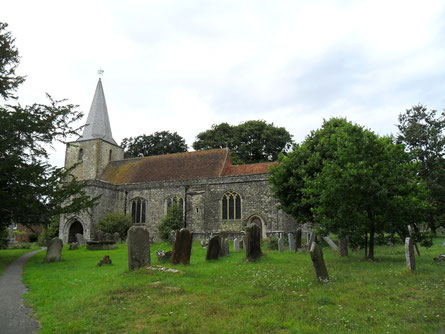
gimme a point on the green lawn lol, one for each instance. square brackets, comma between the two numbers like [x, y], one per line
[278, 294]
[9, 255]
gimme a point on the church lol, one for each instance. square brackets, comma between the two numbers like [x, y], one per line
[215, 195]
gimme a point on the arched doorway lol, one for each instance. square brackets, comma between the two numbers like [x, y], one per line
[76, 227]
[257, 220]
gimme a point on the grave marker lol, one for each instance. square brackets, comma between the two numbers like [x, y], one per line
[138, 239]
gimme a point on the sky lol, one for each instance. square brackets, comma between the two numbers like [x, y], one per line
[183, 66]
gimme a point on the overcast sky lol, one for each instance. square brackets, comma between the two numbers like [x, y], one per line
[185, 65]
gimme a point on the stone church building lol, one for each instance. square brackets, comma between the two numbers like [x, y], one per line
[215, 195]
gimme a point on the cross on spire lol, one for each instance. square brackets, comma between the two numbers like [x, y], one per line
[100, 72]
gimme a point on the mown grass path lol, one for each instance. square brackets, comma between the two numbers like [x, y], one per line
[278, 294]
[9, 255]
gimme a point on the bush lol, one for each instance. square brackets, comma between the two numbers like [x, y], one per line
[33, 237]
[21, 245]
[50, 232]
[171, 222]
[115, 222]
[272, 244]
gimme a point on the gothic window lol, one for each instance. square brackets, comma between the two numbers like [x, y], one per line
[138, 210]
[80, 158]
[231, 206]
[174, 199]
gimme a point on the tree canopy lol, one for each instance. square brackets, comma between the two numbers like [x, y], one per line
[349, 181]
[158, 143]
[32, 191]
[249, 142]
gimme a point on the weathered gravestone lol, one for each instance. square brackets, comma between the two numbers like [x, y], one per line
[331, 243]
[74, 246]
[80, 239]
[409, 254]
[182, 249]
[117, 237]
[281, 245]
[172, 236]
[236, 245]
[108, 237]
[99, 235]
[253, 242]
[138, 239]
[224, 250]
[105, 260]
[291, 239]
[298, 239]
[54, 251]
[320, 267]
[311, 240]
[343, 245]
[213, 249]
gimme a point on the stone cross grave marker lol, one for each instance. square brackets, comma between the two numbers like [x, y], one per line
[182, 249]
[253, 242]
[320, 267]
[281, 245]
[54, 251]
[409, 254]
[291, 239]
[213, 249]
[236, 245]
[138, 239]
[80, 239]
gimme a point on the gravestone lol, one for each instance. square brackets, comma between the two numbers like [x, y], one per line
[331, 243]
[108, 237]
[320, 267]
[80, 239]
[236, 245]
[213, 249]
[99, 235]
[311, 240]
[105, 260]
[74, 246]
[138, 239]
[298, 239]
[443, 244]
[54, 251]
[117, 237]
[291, 239]
[242, 243]
[182, 249]
[253, 242]
[281, 245]
[409, 254]
[224, 247]
[172, 236]
[343, 245]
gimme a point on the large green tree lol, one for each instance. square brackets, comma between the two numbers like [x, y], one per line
[158, 143]
[423, 133]
[249, 142]
[31, 190]
[349, 181]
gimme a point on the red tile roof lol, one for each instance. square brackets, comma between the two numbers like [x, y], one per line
[260, 168]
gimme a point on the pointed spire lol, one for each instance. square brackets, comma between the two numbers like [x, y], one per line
[98, 123]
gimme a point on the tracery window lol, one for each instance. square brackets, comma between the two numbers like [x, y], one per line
[231, 206]
[174, 199]
[138, 210]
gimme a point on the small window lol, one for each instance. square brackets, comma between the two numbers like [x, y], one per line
[110, 154]
[138, 210]
[80, 158]
[231, 206]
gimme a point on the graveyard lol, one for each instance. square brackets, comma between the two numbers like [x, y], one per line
[277, 292]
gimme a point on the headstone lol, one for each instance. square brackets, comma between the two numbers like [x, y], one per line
[343, 245]
[105, 260]
[224, 250]
[172, 236]
[138, 239]
[440, 258]
[291, 239]
[213, 249]
[298, 239]
[74, 246]
[253, 242]
[164, 256]
[99, 235]
[320, 267]
[182, 249]
[281, 245]
[409, 254]
[331, 243]
[117, 237]
[236, 245]
[311, 240]
[80, 239]
[54, 251]
[108, 237]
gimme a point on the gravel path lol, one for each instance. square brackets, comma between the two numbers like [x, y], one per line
[14, 316]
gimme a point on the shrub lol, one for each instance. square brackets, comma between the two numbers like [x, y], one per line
[171, 222]
[20, 245]
[33, 237]
[115, 222]
[272, 244]
[50, 232]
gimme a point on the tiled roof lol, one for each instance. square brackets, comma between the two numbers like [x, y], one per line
[260, 168]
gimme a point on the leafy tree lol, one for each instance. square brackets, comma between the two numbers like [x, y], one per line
[51, 231]
[32, 191]
[172, 221]
[350, 182]
[158, 143]
[115, 222]
[249, 142]
[423, 133]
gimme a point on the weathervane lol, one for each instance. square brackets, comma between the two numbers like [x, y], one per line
[100, 72]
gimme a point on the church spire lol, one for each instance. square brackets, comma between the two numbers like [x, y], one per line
[98, 123]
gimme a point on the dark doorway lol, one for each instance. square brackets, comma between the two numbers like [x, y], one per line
[75, 228]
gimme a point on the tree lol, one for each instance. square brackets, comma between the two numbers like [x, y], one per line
[349, 181]
[32, 191]
[158, 143]
[115, 222]
[249, 142]
[172, 221]
[423, 133]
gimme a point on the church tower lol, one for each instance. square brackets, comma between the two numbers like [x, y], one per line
[96, 147]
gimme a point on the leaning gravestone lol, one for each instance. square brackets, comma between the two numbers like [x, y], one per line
[182, 249]
[80, 239]
[291, 239]
[281, 245]
[54, 251]
[409, 254]
[138, 239]
[236, 245]
[320, 267]
[213, 249]
[298, 239]
[117, 237]
[331, 243]
[343, 245]
[311, 240]
[99, 235]
[253, 242]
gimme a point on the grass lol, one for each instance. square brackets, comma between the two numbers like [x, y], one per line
[9, 255]
[278, 294]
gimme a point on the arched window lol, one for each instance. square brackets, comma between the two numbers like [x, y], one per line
[138, 210]
[231, 206]
[110, 155]
[80, 157]
[174, 199]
